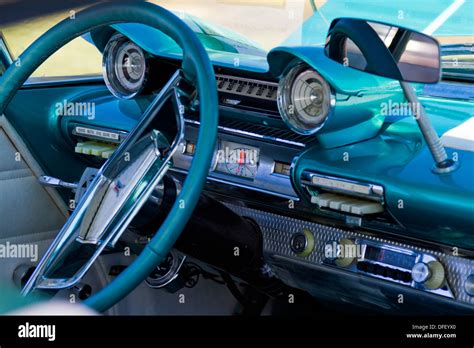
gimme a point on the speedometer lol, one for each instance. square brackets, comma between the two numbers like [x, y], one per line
[125, 67]
[304, 99]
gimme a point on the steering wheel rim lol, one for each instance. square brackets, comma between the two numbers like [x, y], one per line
[196, 67]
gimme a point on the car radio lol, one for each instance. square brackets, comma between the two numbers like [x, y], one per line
[403, 266]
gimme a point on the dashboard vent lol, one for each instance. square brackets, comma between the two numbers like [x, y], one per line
[247, 87]
[248, 94]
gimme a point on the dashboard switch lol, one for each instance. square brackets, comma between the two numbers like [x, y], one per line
[302, 243]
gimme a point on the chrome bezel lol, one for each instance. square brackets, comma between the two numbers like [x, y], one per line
[285, 88]
[112, 81]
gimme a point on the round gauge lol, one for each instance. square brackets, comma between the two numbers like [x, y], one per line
[237, 159]
[243, 163]
[304, 99]
[125, 67]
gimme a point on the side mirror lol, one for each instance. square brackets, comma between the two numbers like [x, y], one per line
[5, 56]
[398, 53]
[384, 50]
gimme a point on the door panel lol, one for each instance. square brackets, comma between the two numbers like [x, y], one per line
[30, 215]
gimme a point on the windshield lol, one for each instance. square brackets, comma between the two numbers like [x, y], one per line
[305, 22]
[254, 27]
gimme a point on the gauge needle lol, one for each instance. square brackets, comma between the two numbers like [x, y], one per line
[242, 157]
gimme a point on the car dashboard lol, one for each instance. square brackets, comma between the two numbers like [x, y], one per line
[305, 193]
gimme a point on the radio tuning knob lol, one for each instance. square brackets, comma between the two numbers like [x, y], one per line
[430, 274]
[347, 253]
[420, 273]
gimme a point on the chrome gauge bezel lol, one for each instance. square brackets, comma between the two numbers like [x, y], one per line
[286, 107]
[114, 79]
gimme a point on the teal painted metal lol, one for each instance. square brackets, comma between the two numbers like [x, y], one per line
[196, 66]
[357, 113]
[32, 113]
[233, 51]
[393, 156]
[429, 206]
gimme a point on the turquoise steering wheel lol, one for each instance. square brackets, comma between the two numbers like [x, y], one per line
[196, 68]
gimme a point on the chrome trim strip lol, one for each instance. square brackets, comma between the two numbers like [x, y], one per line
[373, 191]
[121, 135]
[252, 188]
[251, 134]
[4, 49]
[61, 80]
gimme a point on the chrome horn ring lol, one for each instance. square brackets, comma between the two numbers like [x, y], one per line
[119, 190]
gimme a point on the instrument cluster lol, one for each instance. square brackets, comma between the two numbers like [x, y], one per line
[125, 67]
[305, 99]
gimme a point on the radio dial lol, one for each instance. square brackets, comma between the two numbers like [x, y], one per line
[420, 272]
[431, 275]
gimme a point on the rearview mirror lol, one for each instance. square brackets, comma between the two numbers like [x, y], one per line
[384, 50]
[397, 53]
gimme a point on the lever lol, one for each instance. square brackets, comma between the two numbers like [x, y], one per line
[55, 182]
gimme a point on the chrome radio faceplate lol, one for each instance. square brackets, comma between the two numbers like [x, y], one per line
[405, 266]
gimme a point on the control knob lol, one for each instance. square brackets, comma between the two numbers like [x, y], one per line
[430, 274]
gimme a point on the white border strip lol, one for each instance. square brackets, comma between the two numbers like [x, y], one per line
[443, 17]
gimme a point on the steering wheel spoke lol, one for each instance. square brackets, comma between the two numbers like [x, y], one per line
[118, 191]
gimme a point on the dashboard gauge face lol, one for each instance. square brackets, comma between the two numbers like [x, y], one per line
[125, 67]
[238, 160]
[304, 99]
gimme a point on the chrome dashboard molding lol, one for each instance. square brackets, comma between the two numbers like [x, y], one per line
[99, 133]
[373, 191]
[38, 82]
[265, 180]
[277, 231]
[5, 54]
[243, 186]
[251, 134]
